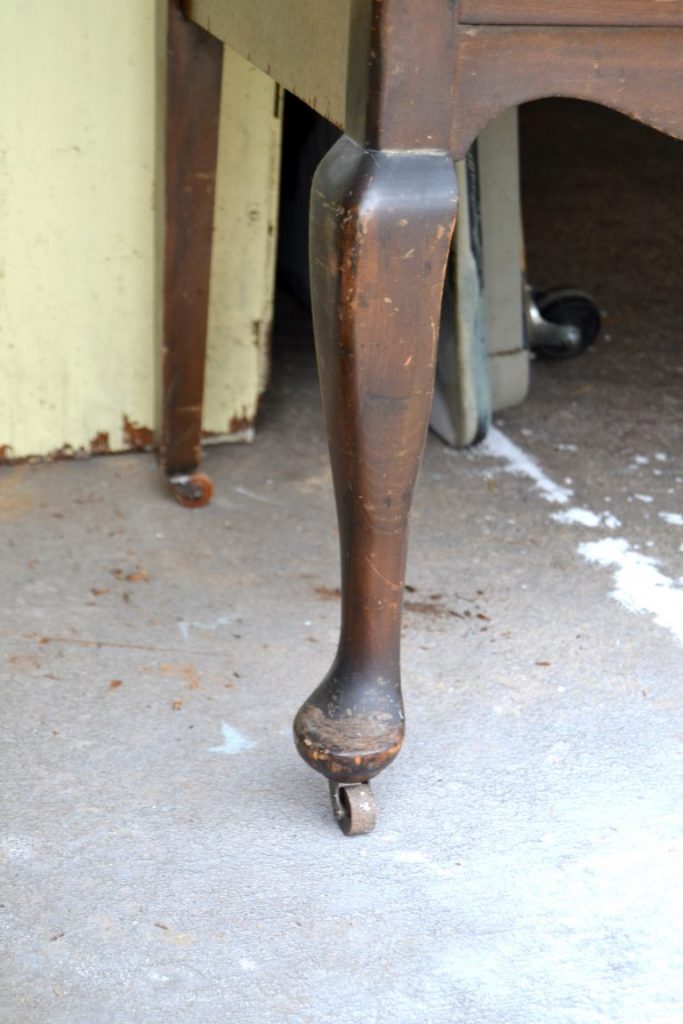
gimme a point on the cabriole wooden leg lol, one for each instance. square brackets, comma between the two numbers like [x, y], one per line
[193, 87]
[381, 226]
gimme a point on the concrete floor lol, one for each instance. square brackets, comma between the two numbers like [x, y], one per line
[164, 853]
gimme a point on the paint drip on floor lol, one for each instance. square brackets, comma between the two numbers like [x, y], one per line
[233, 741]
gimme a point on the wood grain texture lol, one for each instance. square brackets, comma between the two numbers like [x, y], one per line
[192, 108]
[405, 64]
[420, 88]
[381, 225]
[390, 58]
[638, 71]
[571, 12]
[302, 44]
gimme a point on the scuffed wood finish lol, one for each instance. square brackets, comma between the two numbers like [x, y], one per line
[362, 64]
[401, 60]
[638, 72]
[571, 12]
[302, 44]
[381, 226]
[374, 67]
[413, 87]
[193, 99]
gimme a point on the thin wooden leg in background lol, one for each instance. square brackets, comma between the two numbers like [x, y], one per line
[192, 108]
[381, 226]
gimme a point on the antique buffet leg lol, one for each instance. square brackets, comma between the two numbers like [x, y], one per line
[382, 214]
[194, 63]
[381, 226]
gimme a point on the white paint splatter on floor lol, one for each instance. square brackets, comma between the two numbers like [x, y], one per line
[610, 520]
[498, 446]
[233, 741]
[640, 585]
[185, 626]
[584, 517]
[673, 518]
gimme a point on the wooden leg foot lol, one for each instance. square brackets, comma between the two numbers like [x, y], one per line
[381, 225]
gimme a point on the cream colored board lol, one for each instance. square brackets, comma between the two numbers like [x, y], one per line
[243, 260]
[503, 244]
[77, 245]
[302, 43]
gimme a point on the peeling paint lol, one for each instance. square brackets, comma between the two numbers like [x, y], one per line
[139, 439]
[99, 444]
[238, 424]
[67, 451]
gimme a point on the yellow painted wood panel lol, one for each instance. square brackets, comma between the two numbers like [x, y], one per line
[77, 242]
[244, 250]
[81, 187]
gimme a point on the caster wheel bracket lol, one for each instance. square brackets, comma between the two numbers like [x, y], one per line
[354, 807]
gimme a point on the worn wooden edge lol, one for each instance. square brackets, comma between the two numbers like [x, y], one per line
[371, 67]
[638, 72]
[571, 12]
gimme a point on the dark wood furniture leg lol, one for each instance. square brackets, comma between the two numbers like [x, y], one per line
[192, 107]
[381, 227]
[420, 82]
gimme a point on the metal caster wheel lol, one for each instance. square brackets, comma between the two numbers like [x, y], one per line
[354, 807]
[193, 491]
[562, 323]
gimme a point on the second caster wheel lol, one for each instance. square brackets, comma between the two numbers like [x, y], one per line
[562, 323]
[192, 491]
[354, 807]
